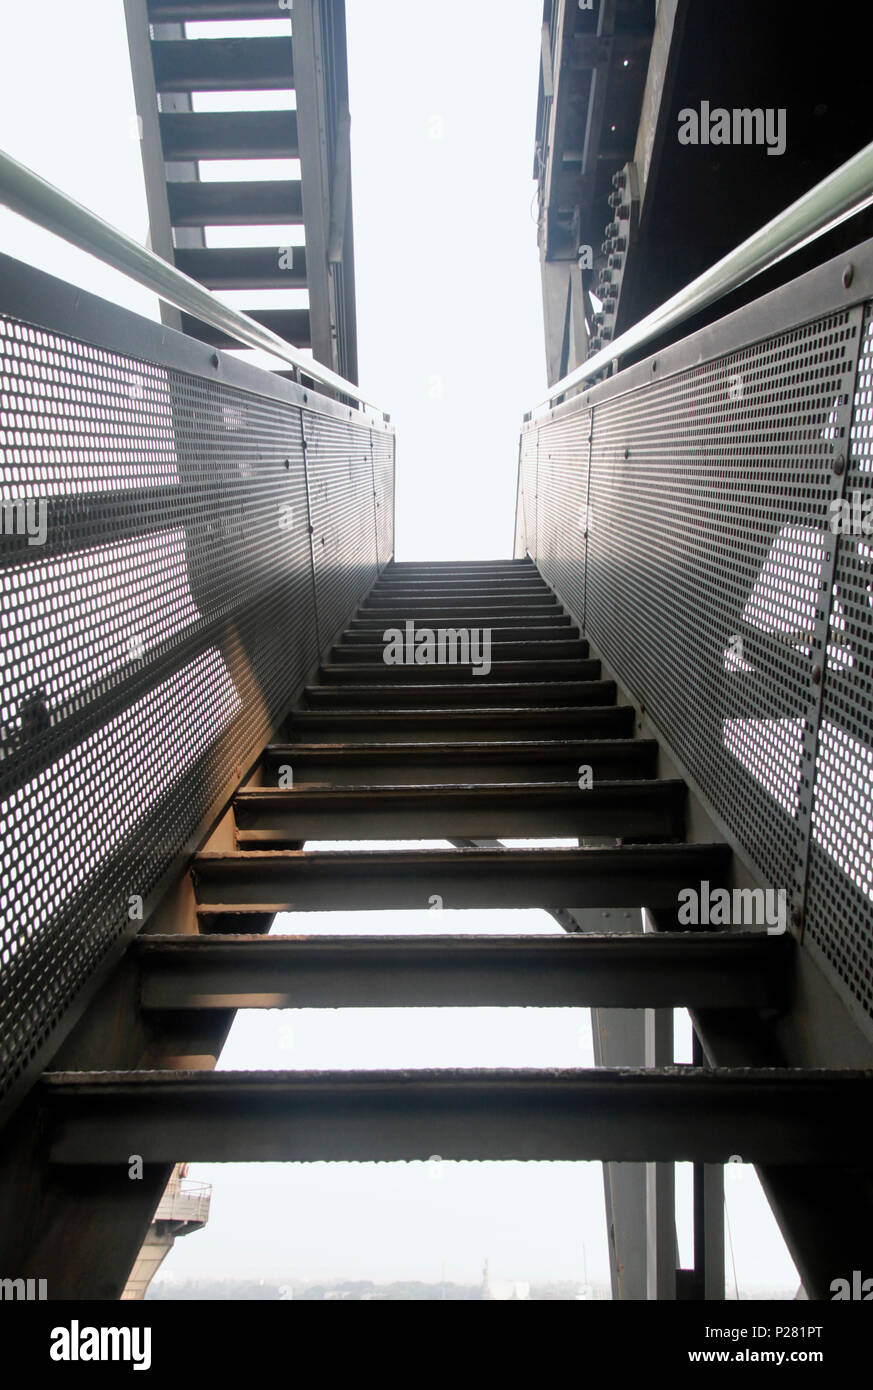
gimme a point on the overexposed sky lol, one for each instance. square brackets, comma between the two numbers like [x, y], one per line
[443, 101]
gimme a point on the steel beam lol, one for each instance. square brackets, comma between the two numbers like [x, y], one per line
[356, 725]
[243, 267]
[265, 816]
[297, 880]
[674, 1113]
[628, 972]
[246, 202]
[548, 668]
[481, 693]
[555, 620]
[539, 647]
[662, 1256]
[436, 761]
[229, 135]
[223, 65]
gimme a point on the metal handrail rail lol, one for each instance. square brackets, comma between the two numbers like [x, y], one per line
[26, 193]
[838, 196]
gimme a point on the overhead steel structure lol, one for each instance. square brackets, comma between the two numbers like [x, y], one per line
[204, 615]
[184, 132]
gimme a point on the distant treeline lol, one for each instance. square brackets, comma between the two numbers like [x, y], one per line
[211, 1290]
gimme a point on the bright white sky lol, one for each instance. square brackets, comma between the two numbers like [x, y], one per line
[443, 101]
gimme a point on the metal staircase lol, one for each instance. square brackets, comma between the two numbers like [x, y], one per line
[196, 693]
[400, 752]
[169, 70]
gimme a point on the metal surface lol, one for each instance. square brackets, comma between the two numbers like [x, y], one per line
[475, 695]
[26, 193]
[347, 880]
[650, 810]
[156, 639]
[350, 764]
[837, 197]
[838, 884]
[342, 513]
[491, 723]
[714, 970]
[679, 1113]
[717, 590]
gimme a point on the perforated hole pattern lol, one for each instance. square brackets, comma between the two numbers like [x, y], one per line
[840, 880]
[709, 533]
[154, 637]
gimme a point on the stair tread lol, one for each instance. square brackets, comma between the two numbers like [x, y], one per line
[242, 267]
[493, 748]
[223, 64]
[610, 943]
[291, 324]
[246, 202]
[365, 672]
[663, 1114]
[681, 852]
[229, 135]
[443, 790]
[845, 1078]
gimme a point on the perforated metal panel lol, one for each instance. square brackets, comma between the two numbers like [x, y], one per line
[563, 513]
[383, 484]
[714, 585]
[519, 545]
[840, 878]
[157, 615]
[342, 507]
[527, 493]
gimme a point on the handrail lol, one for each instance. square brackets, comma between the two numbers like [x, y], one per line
[25, 192]
[842, 193]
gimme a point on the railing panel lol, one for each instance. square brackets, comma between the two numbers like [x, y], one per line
[383, 488]
[840, 876]
[157, 617]
[719, 585]
[562, 506]
[342, 507]
[527, 493]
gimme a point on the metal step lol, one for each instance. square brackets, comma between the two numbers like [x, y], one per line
[682, 1114]
[663, 970]
[231, 203]
[243, 267]
[520, 638]
[406, 589]
[481, 616]
[290, 324]
[269, 817]
[229, 135]
[413, 763]
[432, 694]
[578, 668]
[356, 725]
[535, 603]
[166, 11]
[468, 596]
[223, 65]
[510, 572]
[546, 623]
[624, 877]
[355, 652]
[466, 567]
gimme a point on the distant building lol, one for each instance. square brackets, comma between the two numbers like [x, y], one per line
[183, 1208]
[504, 1289]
